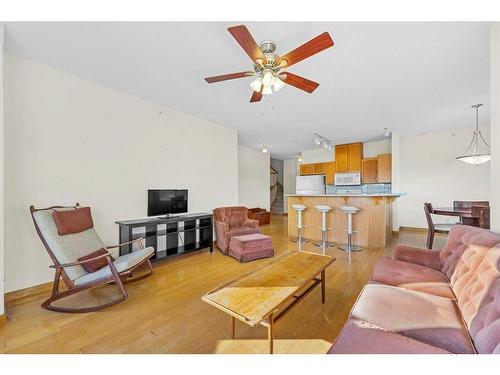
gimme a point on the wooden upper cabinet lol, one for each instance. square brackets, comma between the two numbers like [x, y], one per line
[319, 168]
[341, 158]
[384, 167]
[330, 173]
[306, 169]
[348, 157]
[369, 170]
[354, 156]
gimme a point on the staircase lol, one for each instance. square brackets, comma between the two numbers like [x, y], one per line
[277, 203]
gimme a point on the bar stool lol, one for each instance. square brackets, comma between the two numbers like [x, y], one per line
[299, 208]
[349, 247]
[323, 243]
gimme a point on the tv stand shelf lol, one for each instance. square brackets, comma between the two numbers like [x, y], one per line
[169, 236]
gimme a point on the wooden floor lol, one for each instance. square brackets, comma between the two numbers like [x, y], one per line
[165, 313]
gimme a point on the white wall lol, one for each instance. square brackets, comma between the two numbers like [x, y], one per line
[253, 178]
[428, 172]
[495, 126]
[68, 139]
[372, 149]
[1, 175]
[317, 155]
[290, 172]
[395, 184]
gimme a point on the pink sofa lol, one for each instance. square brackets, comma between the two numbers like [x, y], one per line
[231, 222]
[426, 301]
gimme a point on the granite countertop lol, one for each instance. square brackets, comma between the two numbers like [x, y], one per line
[346, 195]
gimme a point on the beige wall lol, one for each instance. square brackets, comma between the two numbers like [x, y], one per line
[290, 172]
[318, 155]
[70, 139]
[372, 149]
[253, 178]
[428, 172]
[1, 176]
[495, 126]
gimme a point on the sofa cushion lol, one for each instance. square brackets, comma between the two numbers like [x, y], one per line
[412, 276]
[360, 337]
[478, 293]
[454, 247]
[452, 253]
[420, 316]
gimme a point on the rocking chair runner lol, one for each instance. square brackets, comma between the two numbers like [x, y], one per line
[65, 250]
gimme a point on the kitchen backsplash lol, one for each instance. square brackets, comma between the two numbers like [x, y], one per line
[365, 188]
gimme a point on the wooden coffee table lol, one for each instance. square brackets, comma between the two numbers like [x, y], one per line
[265, 295]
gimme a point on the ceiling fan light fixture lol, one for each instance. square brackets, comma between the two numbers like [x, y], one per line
[256, 84]
[278, 84]
[267, 90]
[267, 78]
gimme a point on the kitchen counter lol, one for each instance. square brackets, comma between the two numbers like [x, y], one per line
[346, 195]
[373, 220]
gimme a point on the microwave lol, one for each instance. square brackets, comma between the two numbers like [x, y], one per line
[344, 179]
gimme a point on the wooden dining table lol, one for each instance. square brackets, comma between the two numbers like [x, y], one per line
[465, 214]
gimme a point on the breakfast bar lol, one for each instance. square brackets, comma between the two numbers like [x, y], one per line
[373, 221]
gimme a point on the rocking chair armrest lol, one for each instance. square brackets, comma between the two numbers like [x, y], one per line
[128, 243]
[79, 263]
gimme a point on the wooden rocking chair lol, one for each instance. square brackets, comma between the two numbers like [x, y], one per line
[65, 250]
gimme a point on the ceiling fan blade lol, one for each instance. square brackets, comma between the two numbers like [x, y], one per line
[314, 46]
[247, 42]
[256, 97]
[300, 82]
[226, 77]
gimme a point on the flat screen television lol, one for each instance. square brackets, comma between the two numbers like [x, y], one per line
[165, 202]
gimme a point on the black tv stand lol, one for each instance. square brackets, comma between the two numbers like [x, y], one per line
[169, 235]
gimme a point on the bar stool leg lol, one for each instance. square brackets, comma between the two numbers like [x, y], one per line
[349, 247]
[324, 243]
[299, 240]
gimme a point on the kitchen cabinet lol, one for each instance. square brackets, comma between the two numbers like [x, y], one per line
[384, 168]
[306, 169]
[369, 170]
[330, 173]
[319, 168]
[348, 157]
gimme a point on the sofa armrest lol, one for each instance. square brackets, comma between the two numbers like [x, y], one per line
[250, 223]
[423, 257]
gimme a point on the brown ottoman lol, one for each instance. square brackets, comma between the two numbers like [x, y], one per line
[250, 247]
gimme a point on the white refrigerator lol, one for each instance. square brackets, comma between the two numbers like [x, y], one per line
[310, 185]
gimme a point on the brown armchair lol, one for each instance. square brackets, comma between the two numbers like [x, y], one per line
[260, 214]
[231, 222]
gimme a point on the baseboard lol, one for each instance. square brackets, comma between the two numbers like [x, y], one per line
[42, 288]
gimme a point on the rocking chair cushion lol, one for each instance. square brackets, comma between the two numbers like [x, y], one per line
[97, 264]
[122, 263]
[73, 221]
[70, 247]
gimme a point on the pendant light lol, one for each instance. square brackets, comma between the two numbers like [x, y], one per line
[476, 157]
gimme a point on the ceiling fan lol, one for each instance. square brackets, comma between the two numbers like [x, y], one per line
[267, 66]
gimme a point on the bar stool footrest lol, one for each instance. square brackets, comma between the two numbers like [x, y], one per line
[353, 249]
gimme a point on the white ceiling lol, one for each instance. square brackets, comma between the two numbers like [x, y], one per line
[410, 77]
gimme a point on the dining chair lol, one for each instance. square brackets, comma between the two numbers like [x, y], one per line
[483, 215]
[432, 227]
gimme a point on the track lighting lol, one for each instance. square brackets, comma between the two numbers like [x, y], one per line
[264, 149]
[321, 141]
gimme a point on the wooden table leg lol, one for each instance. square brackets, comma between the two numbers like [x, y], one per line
[323, 286]
[270, 333]
[233, 327]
